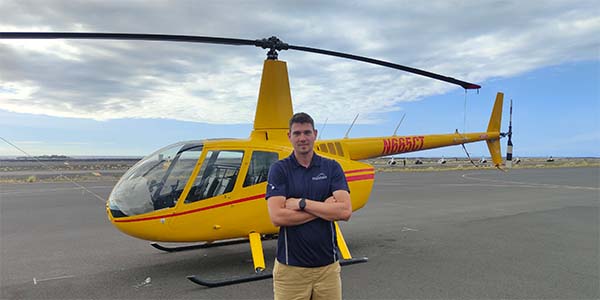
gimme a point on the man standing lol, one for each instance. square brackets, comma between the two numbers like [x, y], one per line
[305, 194]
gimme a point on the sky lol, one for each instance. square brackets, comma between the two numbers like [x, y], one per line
[130, 98]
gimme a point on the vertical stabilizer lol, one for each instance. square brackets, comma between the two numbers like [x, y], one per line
[494, 147]
[494, 127]
[496, 118]
[274, 108]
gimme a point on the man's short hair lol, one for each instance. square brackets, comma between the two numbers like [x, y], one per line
[301, 118]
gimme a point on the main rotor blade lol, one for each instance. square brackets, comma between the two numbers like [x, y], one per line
[272, 43]
[127, 36]
[464, 84]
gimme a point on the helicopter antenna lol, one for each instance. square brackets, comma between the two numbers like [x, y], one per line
[348, 132]
[465, 113]
[273, 43]
[402, 119]
[509, 147]
[322, 128]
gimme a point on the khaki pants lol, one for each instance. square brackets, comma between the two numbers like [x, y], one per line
[295, 283]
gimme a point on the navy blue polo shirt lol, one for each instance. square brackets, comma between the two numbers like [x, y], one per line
[314, 243]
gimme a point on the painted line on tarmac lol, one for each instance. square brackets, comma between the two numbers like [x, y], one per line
[531, 184]
[399, 184]
[447, 184]
[506, 185]
[52, 190]
[408, 229]
[36, 281]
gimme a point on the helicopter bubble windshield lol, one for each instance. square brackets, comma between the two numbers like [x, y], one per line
[156, 181]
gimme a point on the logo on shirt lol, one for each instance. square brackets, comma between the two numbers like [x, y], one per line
[321, 176]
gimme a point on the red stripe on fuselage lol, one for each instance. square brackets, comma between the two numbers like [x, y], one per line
[360, 177]
[360, 170]
[196, 210]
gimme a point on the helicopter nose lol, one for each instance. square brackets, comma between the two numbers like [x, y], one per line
[155, 182]
[130, 197]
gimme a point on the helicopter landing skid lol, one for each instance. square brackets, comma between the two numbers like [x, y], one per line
[198, 246]
[257, 276]
[223, 282]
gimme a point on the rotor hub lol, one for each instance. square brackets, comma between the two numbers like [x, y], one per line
[274, 44]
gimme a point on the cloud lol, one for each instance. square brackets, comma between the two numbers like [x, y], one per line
[470, 40]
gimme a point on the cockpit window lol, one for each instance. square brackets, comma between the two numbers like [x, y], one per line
[155, 182]
[171, 185]
[217, 175]
[258, 170]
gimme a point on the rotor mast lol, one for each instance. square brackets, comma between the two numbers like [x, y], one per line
[274, 105]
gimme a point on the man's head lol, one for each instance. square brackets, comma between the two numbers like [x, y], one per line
[302, 133]
[302, 117]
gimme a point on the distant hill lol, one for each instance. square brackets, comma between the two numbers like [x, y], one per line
[43, 157]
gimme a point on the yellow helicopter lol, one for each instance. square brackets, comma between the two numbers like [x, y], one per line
[213, 191]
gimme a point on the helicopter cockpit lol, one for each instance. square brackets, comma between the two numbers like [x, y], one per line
[156, 181]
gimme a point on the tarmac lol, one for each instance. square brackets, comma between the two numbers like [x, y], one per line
[483, 234]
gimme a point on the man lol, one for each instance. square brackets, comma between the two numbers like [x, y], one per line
[305, 194]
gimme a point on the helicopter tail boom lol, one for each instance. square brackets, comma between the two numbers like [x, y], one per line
[365, 148]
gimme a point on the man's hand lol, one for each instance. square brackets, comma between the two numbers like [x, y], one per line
[292, 203]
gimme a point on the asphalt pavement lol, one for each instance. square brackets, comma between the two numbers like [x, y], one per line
[529, 233]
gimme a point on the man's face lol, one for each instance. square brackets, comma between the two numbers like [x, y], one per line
[302, 136]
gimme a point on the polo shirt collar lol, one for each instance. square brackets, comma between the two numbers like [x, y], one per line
[315, 162]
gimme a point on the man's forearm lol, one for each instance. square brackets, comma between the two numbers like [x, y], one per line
[328, 211]
[291, 217]
[286, 216]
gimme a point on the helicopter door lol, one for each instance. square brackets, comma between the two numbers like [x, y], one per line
[217, 175]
